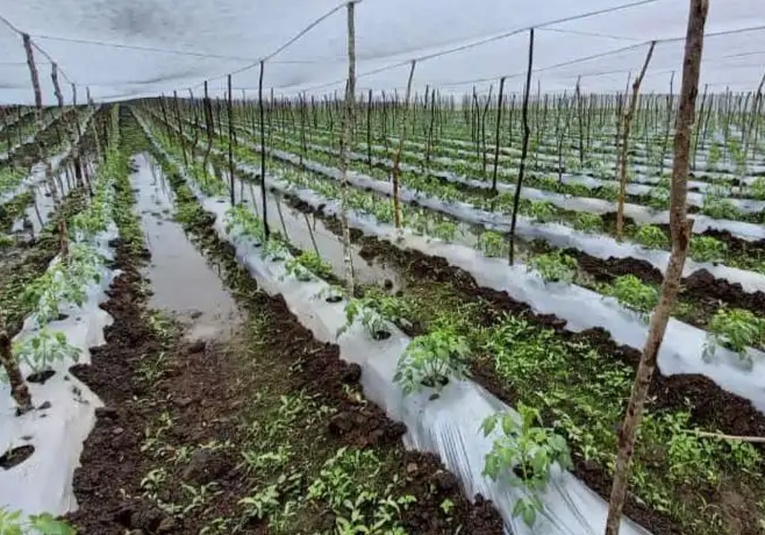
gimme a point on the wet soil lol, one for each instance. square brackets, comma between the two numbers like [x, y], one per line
[710, 406]
[701, 288]
[204, 391]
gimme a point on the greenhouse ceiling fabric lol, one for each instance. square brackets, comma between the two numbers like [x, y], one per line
[131, 48]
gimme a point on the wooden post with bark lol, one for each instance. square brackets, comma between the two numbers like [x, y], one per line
[399, 148]
[350, 91]
[623, 154]
[61, 221]
[680, 230]
[524, 147]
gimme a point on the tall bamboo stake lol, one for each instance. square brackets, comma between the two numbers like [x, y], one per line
[399, 148]
[263, 153]
[210, 127]
[670, 98]
[524, 147]
[625, 143]
[350, 92]
[496, 135]
[229, 101]
[579, 117]
[680, 229]
[369, 129]
[182, 137]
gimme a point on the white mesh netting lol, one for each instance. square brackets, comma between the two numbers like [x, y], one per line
[142, 48]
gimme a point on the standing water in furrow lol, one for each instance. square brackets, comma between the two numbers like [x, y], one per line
[182, 281]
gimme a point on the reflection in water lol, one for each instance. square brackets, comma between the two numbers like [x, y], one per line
[182, 281]
[308, 233]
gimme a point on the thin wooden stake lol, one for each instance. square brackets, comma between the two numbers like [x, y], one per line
[61, 221]
[524, 147]
[399, 148]
[350, 92]
[496, 135]
[626, 124]
[229, 101]
[266, 228]
[680, 229]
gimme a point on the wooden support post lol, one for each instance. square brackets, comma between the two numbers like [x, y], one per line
[626, 124]
[496, 136]
[348, 116]
[263, 152]
[524, 147]
[61, 221]
[229, 101]
[680, 229]
[397, 157]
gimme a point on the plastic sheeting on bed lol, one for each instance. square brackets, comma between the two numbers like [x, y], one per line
[43, 482]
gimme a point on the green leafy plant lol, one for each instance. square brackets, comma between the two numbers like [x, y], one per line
[275, 249]
[631, 292]
[735, 329]
[250, 225]
[431, 360]
[707, 249]
[491, 243]
[371, 319]
[445, 230]
[345, 484]
[716, 206]
[523, 455]
[652, 237]
[658, 198]
[307, 265]
[555, 266]
[757, 189]
[541, 211]
[13, 523]
[587, 222]
[40, 350]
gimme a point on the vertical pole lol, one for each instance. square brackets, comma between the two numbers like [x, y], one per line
[579, 117]
[64, 241]
[350, 91]
[670, 100]
[625, 143]
[524, 147]
[397, 159]
[680, 230]
[369, 129]
[230, 143]
[263, 152]
[496, 135]
[180, 129]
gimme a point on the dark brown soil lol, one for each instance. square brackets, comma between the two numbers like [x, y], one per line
[203, 392]
[711, 407]
[737, 245]
[701, 288]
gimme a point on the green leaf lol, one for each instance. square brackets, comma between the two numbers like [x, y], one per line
[46, 524]
[529, 515]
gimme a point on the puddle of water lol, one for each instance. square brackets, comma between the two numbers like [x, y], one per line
[310, 234]
[183, 282]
